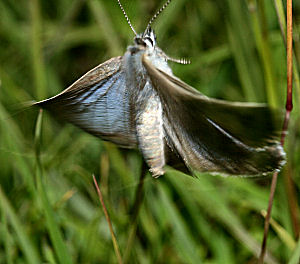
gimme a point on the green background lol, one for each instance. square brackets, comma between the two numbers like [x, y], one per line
[49, 209]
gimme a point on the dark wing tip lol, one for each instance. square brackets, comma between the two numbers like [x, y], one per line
[271, 159]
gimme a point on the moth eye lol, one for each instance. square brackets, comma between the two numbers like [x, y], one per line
[149, 40]
[140, 41]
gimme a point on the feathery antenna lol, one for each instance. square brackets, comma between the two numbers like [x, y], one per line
[180, 61]
[157, 13]
[127, 18]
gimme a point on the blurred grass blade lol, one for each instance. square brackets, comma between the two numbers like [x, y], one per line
[282, 23]
[184, 241]
[138, 201]
[12, 141]
[113, 236]
[263, 47]
[36, 49]
[171, 14]
[118, 163]
[24, 241]
[56, 41]
[243, 47]
[49, 254]
[281, 16]
[53, 228]
[242, 67]
[282, 233]
[7, 239]
[295, 259]
[106, 27]
[222, 251]
[215, 204]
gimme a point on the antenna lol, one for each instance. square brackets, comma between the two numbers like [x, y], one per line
[127, 18]
[157, 13]
[180, 61]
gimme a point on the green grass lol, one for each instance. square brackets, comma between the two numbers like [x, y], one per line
[49, 210]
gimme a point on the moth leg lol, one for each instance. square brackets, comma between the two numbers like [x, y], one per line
[150, 134]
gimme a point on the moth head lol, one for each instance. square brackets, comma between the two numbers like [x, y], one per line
[146, 39]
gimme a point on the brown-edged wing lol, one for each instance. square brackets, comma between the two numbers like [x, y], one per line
[214, 135]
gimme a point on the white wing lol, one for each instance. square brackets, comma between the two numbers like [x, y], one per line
[97, 103]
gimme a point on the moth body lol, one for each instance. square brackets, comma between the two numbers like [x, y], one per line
[147, 113]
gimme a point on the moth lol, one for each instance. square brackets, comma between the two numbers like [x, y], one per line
[135, 101]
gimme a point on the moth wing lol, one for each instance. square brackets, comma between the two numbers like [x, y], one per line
[214, 135]
[97, 103]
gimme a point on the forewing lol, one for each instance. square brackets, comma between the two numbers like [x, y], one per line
[214, 135]
[97, 103]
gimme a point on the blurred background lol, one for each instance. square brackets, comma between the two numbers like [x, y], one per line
[49, 208]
